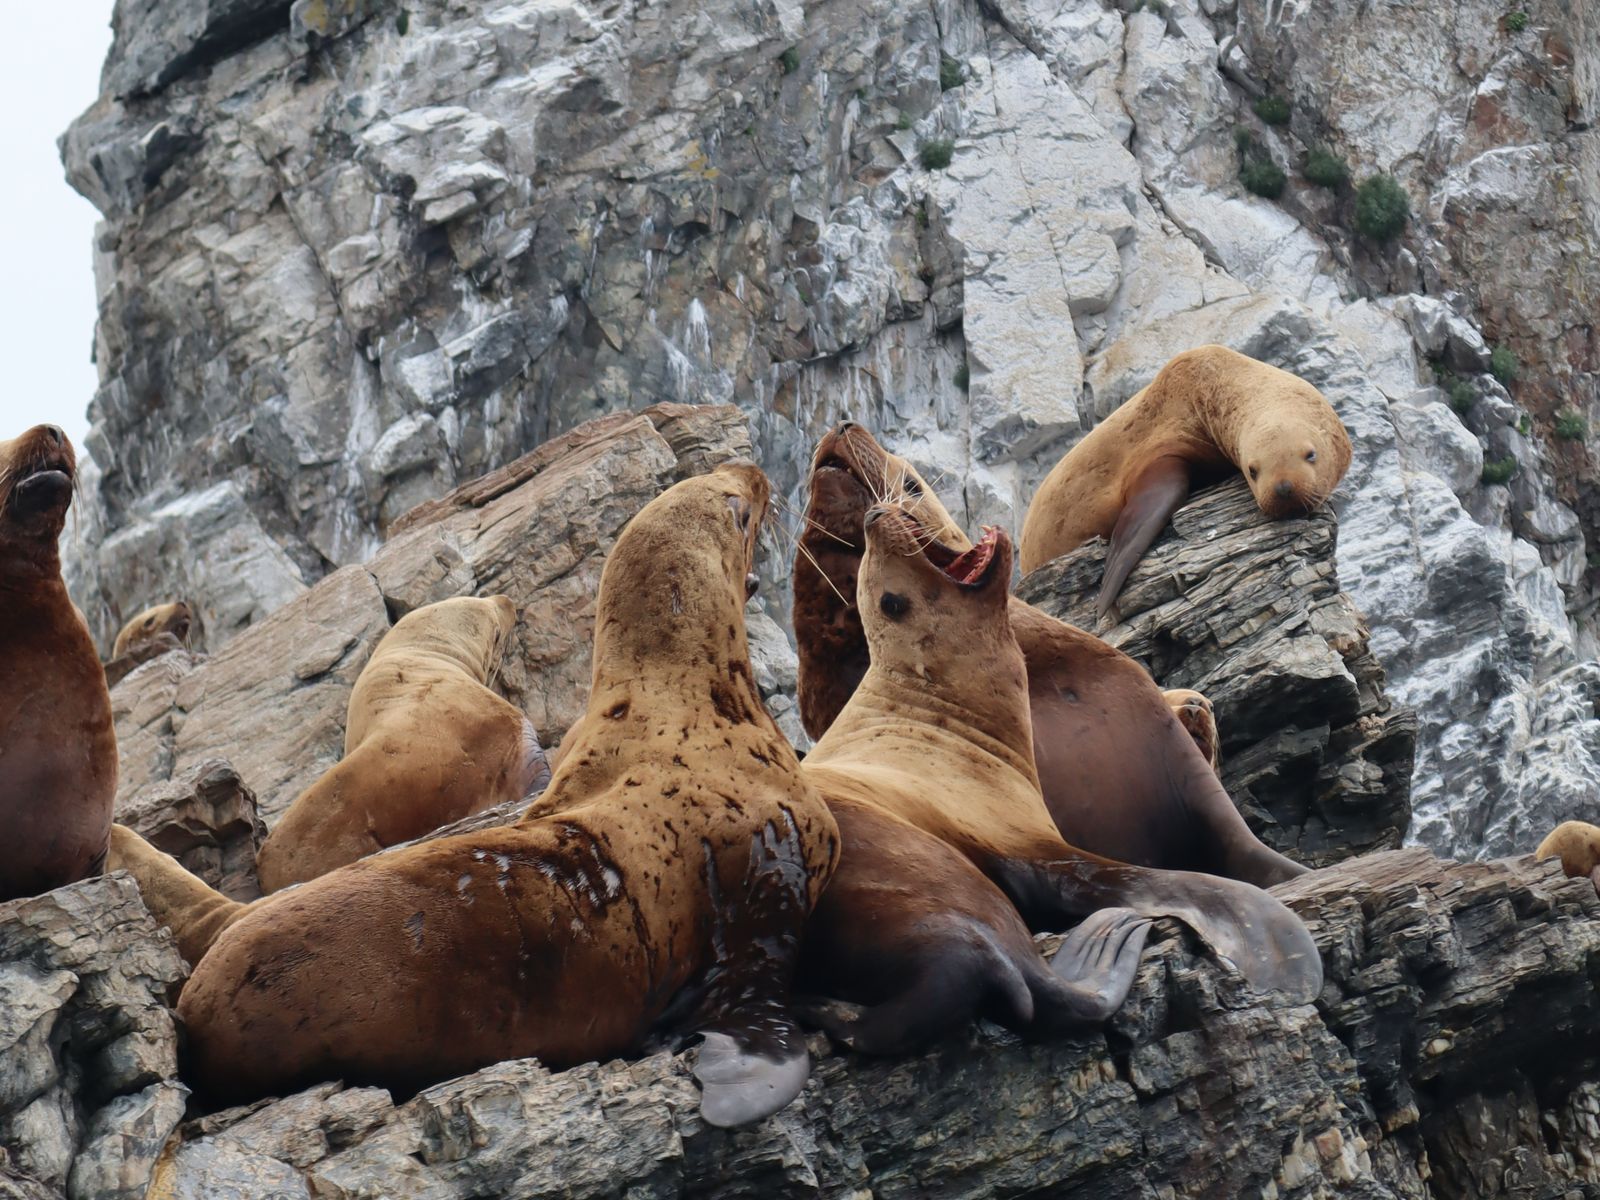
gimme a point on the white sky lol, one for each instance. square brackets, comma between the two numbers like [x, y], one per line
[47, 307]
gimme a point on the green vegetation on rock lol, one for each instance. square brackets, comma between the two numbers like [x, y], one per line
[1500, 471]
[1516, 21]
[963, 377]
[950, 74]
[1382, 208]
[1462, 396]
[1503, 365]
[1325, 169]
[789, 60]
[1570, 426]
[935, 155]
[1274, 110]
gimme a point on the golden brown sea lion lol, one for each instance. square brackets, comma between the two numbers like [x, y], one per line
[1196, 714]
[174, 618]
[1121, 777]
[939, 735]
[1209, 409]
[658, 887]
[1577, 845]
[426, 742]
[58, 749]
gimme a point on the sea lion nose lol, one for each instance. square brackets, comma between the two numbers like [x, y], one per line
[54, 433]
[1285, 490]
[752, 584]
[847, 426]
[872, 516]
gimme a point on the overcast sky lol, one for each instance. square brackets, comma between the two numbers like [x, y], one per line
[47, 307]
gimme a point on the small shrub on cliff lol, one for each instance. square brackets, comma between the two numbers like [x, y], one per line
[1524, 424]
[963, 377]
[949, 73]
[1262, 177]
[904, 122]
[789, 60]
[1463, 396]
[936, 154]
[1501, 471]
[1570, 426]
[1516, 22]
[1274, 110]
[1503, 365]
[1325, 169]
[402, 22]
[1382, 208]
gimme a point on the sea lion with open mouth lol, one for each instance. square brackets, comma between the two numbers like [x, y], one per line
[58, 747]
[938, 735]
[1121, 776]
[657, 890]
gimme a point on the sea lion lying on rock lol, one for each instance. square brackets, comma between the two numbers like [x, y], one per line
[656, 890]
[58, 748]
[938, 735]
[1121, 776]
[426, 742]
[1577, 845]
[174, 619]
[1208, 410]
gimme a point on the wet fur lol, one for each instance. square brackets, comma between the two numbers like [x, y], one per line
[656, 889]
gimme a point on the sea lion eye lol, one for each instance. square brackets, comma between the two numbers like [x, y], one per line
[894, 605]
[741, 512]
[752, 584]
[1255, 473]
[913, 488]
[1311, 456]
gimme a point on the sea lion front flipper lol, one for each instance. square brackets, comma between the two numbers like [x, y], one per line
[1253, 930]
[1152, 499]
[1096, 966]
[740, 1084]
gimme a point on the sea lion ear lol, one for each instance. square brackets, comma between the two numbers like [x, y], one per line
[741, 512]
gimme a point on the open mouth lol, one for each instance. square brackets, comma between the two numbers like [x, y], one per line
[970, 568]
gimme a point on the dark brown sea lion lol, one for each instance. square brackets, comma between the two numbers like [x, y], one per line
[938, 734]
[58, 748]
[1210, 409]
[657, 889]
[426, 742]
[1121, 777]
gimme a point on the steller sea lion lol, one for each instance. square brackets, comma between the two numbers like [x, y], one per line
[657, 889]
[1577, 845]
[1197, 716]
[174, 618]
[938, 734]
[426, 742]
[58, 748]
[1208, 409]
[1120, 775]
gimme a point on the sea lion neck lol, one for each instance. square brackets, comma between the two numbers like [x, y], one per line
[25, 564]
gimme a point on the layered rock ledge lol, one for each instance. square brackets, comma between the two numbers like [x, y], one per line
[1249, 611]
[1451, 1054]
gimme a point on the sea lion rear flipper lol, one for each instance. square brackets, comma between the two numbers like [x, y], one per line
[1152, 499]
[1095, 966]
[740, 1083]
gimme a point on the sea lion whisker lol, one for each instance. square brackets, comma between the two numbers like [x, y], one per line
[812, 559]
[788, 508]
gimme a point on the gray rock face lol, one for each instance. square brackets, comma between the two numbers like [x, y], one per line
[1249, 612]
[88, 1046]
[354, 255]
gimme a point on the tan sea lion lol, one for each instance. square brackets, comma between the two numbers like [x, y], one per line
[1121, 777]
[657, 889]
[939, 735]
[426, 742]
[1208, 410]
[1577, 845]
[174, 618]
[58, 748]
[1197, 716]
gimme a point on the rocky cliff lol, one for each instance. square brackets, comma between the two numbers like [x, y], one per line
[358, 251]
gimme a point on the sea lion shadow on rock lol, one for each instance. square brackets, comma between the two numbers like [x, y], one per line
[57, 741]
[938, 737]
[656, 890]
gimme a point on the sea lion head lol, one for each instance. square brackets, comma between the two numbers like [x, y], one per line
[1199, 719]
[850, 473]
[1294, 453]
[675, 585]
[37, 473]
[472, 630]
[1577, 845]
[937, 611]
[175, 618]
